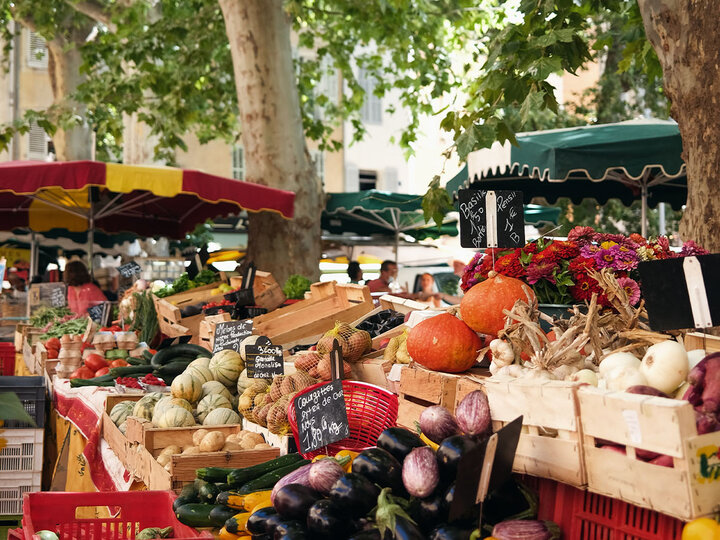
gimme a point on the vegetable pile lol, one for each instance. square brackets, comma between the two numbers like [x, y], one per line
[184, 283]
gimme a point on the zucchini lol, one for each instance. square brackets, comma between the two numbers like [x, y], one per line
[134, 361]
[213, 474]
[188, 489]
[130, 371]
[182, 500]
[244, 502]
[268, 480]
[220, 514]
[173, 368]
[163, 356]
[195, 514]
[238, 477]
[208, 493]
[102, 380]
[147, 356]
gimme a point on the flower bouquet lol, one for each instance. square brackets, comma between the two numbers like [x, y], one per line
[558, 270]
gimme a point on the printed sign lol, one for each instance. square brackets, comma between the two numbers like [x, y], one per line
[491, 218]
[321, 416]
[130, 269]
[228, 335]
[264, 361]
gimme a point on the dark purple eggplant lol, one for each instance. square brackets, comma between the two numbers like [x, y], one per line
[290, 530]
[256, 524]
[367, 534]
[380, 467]
[450, 532]
[449, 453]
[294, 500]
[354, 494]
[428, 512]
[399, 442]
[406, 530]
[326, 520]
[271, 524]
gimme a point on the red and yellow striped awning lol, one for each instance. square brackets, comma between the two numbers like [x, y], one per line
[148, 201]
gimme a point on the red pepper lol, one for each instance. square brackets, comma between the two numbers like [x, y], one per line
[102, 371]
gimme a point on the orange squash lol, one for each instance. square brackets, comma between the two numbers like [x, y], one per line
[482, 306]
[443, 343]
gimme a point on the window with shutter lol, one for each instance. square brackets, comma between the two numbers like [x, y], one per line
[238, 163]
[371, 112]
[37, 143]
[37, 53]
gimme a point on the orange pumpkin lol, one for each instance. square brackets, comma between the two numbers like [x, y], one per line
[443, 343]
[482, 306]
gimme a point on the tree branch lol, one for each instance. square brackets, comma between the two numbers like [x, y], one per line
[95, 10]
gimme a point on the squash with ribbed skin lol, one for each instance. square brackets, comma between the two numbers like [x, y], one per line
[146, 405]
[167, 402]
[220, 417]
[210, 403]
[202, 372]
[121, 411]
[226, 367]
[187, 386]
[216, 387]
[176, 417]
[204, 362]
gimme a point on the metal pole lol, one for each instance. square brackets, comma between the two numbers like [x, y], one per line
[661, 219]
[33, 257]
[91, 240]
[643, 212]
[397, 245]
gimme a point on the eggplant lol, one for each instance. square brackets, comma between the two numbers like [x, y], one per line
[380, 467]
[399, 442]
[271, 524]
[256, 523]
[325, 520]
[429, 512]
[367, 534]
[450, 532]
[468, 517]
[289, 530]
[449, 453]
[406, 530]
[420, 472]
[354, 494]
[294, 500]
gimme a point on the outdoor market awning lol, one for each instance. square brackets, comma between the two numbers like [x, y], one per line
[148, 201]
[641, 158]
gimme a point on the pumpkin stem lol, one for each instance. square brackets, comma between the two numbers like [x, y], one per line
[492, 274]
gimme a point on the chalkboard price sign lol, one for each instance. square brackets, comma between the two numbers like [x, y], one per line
[228, 335]
[321, 416]
[58, 297]
[264, 361]
[130, 269]
[97, 312]
[491, 218]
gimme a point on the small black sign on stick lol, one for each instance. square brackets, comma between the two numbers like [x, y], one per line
[130, 269]
[321, 416]
[228, 335]
[682, 292]
[491, 218]
[263, 360]
[336, 361]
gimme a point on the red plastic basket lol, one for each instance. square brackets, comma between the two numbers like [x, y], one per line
[7, 358]
[370, 411]
[132, 511]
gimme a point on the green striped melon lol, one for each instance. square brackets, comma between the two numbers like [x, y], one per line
[202, 372]
[187, 386]
[123, 427]
[165, 403]
[226, 367]
[202, 361]
[121, 411]
[146, 405]
[176, 417]
[210, 403]
[243, 381]
[250, 340]
[220, 417]
[216, 387]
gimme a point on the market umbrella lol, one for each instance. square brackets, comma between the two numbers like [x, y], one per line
[148, 201]
[640, 158]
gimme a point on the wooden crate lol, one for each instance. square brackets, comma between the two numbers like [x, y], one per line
[550, 444]
[401, 305]
[697, 340]
[170, 320]
[308, 319]
[285, 443]
[206, 329]
[267, 292]
[373, 369]
[466, 385]
[420, 388]
[689, 489]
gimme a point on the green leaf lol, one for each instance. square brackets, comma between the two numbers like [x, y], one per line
[11, 408]
[533, 101]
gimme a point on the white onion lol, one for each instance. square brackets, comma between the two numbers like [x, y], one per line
[665, 366]
[586, 376]
[618, 360]
[622, 378]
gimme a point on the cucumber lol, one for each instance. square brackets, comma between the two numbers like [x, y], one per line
[147, 356]
[182, 500]
[130, 371]
[133, 361]
[163, 356]
[268, 480]
[213, 474]
[238, 477]
[220, 514]
[208, 493]
[173, 368]
[195, 514]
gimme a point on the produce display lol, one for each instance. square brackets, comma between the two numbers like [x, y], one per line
[184, 283]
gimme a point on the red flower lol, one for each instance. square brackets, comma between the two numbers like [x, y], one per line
[509, 265]
[584, 288]
[546, 255]
[581, 265]
[638, 239]
[530, 248]
[564, 250]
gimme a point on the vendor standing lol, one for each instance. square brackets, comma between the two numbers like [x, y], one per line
[82, 293]
[388, 273]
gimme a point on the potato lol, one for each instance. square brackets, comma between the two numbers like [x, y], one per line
[198, 436]
[172, 449]
[191, 450]
[250, 440]
[233, 438]
[231, 447]
[164, 459]
[212, 442]
[261, 446]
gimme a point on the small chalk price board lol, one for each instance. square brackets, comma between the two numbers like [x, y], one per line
[228, 335]
[97, 312]
[491, 218]
[264, 361]
[58, 298]
[321, 416]
[130, 269]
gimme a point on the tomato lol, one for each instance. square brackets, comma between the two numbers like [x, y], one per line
[118, 363]
[102, 371]
[95, 362]
[83, 372]
[52, 343]
[52, 354]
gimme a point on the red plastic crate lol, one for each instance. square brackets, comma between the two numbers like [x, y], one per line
[7, 358]
[132, 511]
[589, 516]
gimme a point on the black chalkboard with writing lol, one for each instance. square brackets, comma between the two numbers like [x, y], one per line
[509, 219]
[97, 313]
[228, 335]
[264, 361]
[58, 297]
[130, 269]
[321, 416]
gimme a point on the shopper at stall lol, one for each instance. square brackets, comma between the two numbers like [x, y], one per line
[427, 287]
[354, 272]
[388, 274]
[82, 293]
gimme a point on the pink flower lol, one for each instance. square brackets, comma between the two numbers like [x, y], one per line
[544, 270]
[690, 248]
[631, 288]
[616, 257]
[581, 235]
